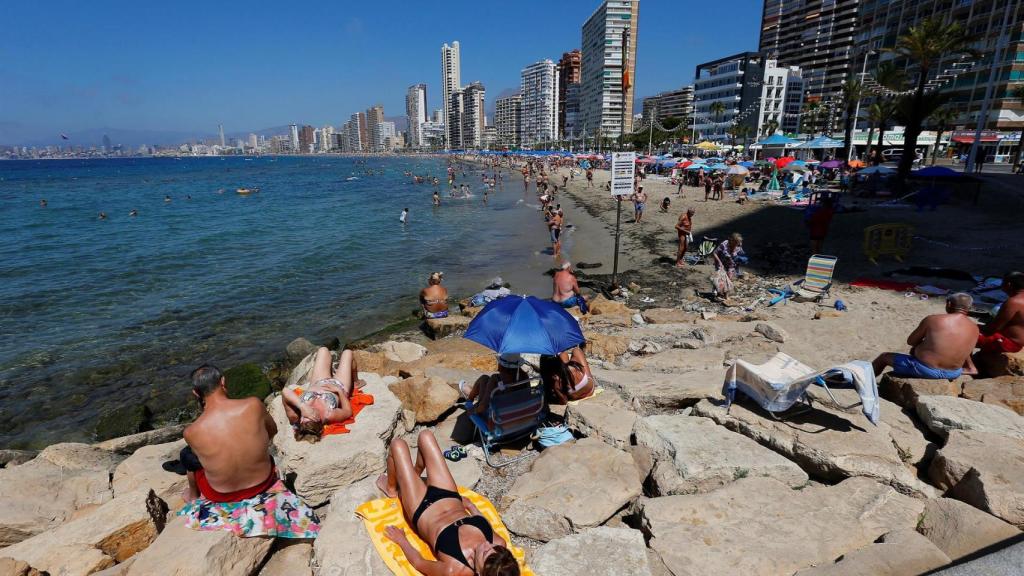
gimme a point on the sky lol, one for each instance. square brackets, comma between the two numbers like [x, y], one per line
[68, 66]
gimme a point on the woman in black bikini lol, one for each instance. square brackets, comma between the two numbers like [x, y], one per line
[462, 540]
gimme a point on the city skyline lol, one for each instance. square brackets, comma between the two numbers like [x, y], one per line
[51, 88]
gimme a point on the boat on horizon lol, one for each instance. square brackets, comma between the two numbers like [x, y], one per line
[247, 191]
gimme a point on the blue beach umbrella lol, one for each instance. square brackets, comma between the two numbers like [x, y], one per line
[747, 164]
[515, 324]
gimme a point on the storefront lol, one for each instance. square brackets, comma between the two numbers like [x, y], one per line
[997, 147]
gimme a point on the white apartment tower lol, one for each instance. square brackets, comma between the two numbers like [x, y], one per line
[416, 113]
[468, 122]
[539, 93]
[507, 113]
[451, 80]
[294, 137]
[375, 129]
[614, 23]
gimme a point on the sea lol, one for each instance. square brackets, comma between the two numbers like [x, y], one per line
[96, 314]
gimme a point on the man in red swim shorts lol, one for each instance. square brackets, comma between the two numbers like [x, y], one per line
[1006, 332]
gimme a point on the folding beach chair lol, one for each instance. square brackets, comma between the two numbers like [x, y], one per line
[515, 411]
[705, 249]
[818, 280]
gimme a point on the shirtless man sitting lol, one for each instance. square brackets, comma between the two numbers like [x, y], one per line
[434, 298]
[566, 290]
[940, 346]
[1006, 332]
[227, 456]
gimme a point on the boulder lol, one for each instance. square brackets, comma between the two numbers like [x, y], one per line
[247, 381]
[1004, 562]
[300, 374]
[694, 454]
[486, 362]
[833, 445]
[289, 558]
[122, 421]
[606, 347]
[600, 551]
[402, 351]
[668, 316]
[905, 391]
[760, 526]
[9, 458]
[560, 492]
[129, 444]
[321, 468]
[111, 533]
[452, 376]
[993, 364]
[343, 548]
[143, 470]
[438, 328]
[428, 398]
[1006, 391]
[771, 332]
[600, 305]
[650, 392]
[298, 349]
[49, 489]
[960, 530]
[644, 347]
[899, 553]
[12, 567]
[983, 470]
[605, 417]
[182, 551]
[942, 414]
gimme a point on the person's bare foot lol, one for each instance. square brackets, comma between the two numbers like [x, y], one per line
[382, 485]
[187, 495]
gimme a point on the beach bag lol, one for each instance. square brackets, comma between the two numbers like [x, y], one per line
[548, 436]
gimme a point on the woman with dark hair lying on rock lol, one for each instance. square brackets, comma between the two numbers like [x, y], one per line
[462, 540]
[567, 377]
[325, 400]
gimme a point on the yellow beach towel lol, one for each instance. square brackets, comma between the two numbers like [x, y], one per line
[383, 512]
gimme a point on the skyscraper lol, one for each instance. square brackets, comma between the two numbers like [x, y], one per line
[451, 80]
[506, 120]
[466, 122]
[306, 139]
[539, 91]
[568, 75]
[293, 137]
[734, 81]
[416, 113]
[107, 147]
[220, 128]
[375, 128]
[602, 66]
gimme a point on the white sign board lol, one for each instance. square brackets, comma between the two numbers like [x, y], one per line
[623, 169]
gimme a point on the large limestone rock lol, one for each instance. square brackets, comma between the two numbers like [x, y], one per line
[606, 417]
[1006, 364]
[834, 445]
[905, 391]
[438, 328]
[343, 548]
[960, 529]
[321, 468]
[899, 553]
[9, 458]
[182, 551]
[942, 414]
[570, 487]
[984, 470]
[291, 558]
[771, 332]
[760, 526]
[600, 305]
[428, 398]
[606, 347]
[129, 444]
[694, 454]
[402, 351]
[1004, 562]
[601, 551]
[112, 533]
[651, 393]
[49, 489]
[143, 470]
[300, 374]
[12, 567]
[298, 349]
[1006, 391]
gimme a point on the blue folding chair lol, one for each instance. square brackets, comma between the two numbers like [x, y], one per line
[515, 412]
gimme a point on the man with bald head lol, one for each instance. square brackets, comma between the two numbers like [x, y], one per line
[940, 346]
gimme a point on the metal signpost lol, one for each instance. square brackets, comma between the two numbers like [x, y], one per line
[622, 172]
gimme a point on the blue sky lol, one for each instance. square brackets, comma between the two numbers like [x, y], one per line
[72, 66]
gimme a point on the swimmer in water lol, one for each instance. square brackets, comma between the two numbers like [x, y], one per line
[189, 197]
[167, 198]
[437, 198]
[103, 215]
[133, 213]
[42, 203]
[485, 196]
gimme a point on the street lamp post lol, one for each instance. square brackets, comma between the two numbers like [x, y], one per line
[856, 111]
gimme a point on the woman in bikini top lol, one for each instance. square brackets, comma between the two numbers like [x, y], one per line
[326, 399]
[567, 376]
[462, 540]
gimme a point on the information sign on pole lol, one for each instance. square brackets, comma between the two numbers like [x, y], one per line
[623, 170]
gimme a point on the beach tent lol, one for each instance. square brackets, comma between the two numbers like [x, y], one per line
[747, 164]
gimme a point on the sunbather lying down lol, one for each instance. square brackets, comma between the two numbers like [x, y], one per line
[326, 399]
[462, 540]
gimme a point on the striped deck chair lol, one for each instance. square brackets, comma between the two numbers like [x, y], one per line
[705, 249]
[515, 412]
[818, 281]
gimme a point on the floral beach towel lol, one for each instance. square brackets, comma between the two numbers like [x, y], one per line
[276, 513]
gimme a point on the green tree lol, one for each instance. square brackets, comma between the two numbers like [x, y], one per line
[924, 46]
[717, 108]
[770, 127]
[940, 119]
[890, 78]
[852, 92]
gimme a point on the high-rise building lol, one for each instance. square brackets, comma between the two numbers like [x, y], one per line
[416, 113]
[387, 136]
[306, 139]
[794, 101]
[507, 113]
[572, 127]
[539, 94]
[254, 142]
[670, 104]
[735, 82]
[881, 23]
[107, 147]
[326, 141]
[817, 36]
[374, 129]
[220, 128]
[608, 35]
[776, 98]
[293, 133]
[466, 120]
[568, 75]
[353, 141]
[451, 80]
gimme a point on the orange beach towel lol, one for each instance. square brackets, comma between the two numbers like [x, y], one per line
[358, 401]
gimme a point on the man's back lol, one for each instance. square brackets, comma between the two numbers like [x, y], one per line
[231, 441]
[565, 284]
[948, 340]
[1014, 308]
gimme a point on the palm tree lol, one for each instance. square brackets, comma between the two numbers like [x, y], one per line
[770, 127]
[744, 131]
[717, 108]
[925, 45]
[941, 119]
[852, 92]
[889, 77]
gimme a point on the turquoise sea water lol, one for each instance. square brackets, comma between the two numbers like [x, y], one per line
[97, 314]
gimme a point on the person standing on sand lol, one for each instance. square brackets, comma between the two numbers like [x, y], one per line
[590, 177]
[1005, 333]
[639, 204]
[684, 228]
[940, 346]
[555, 227]
[818, 221]
[707, 187]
